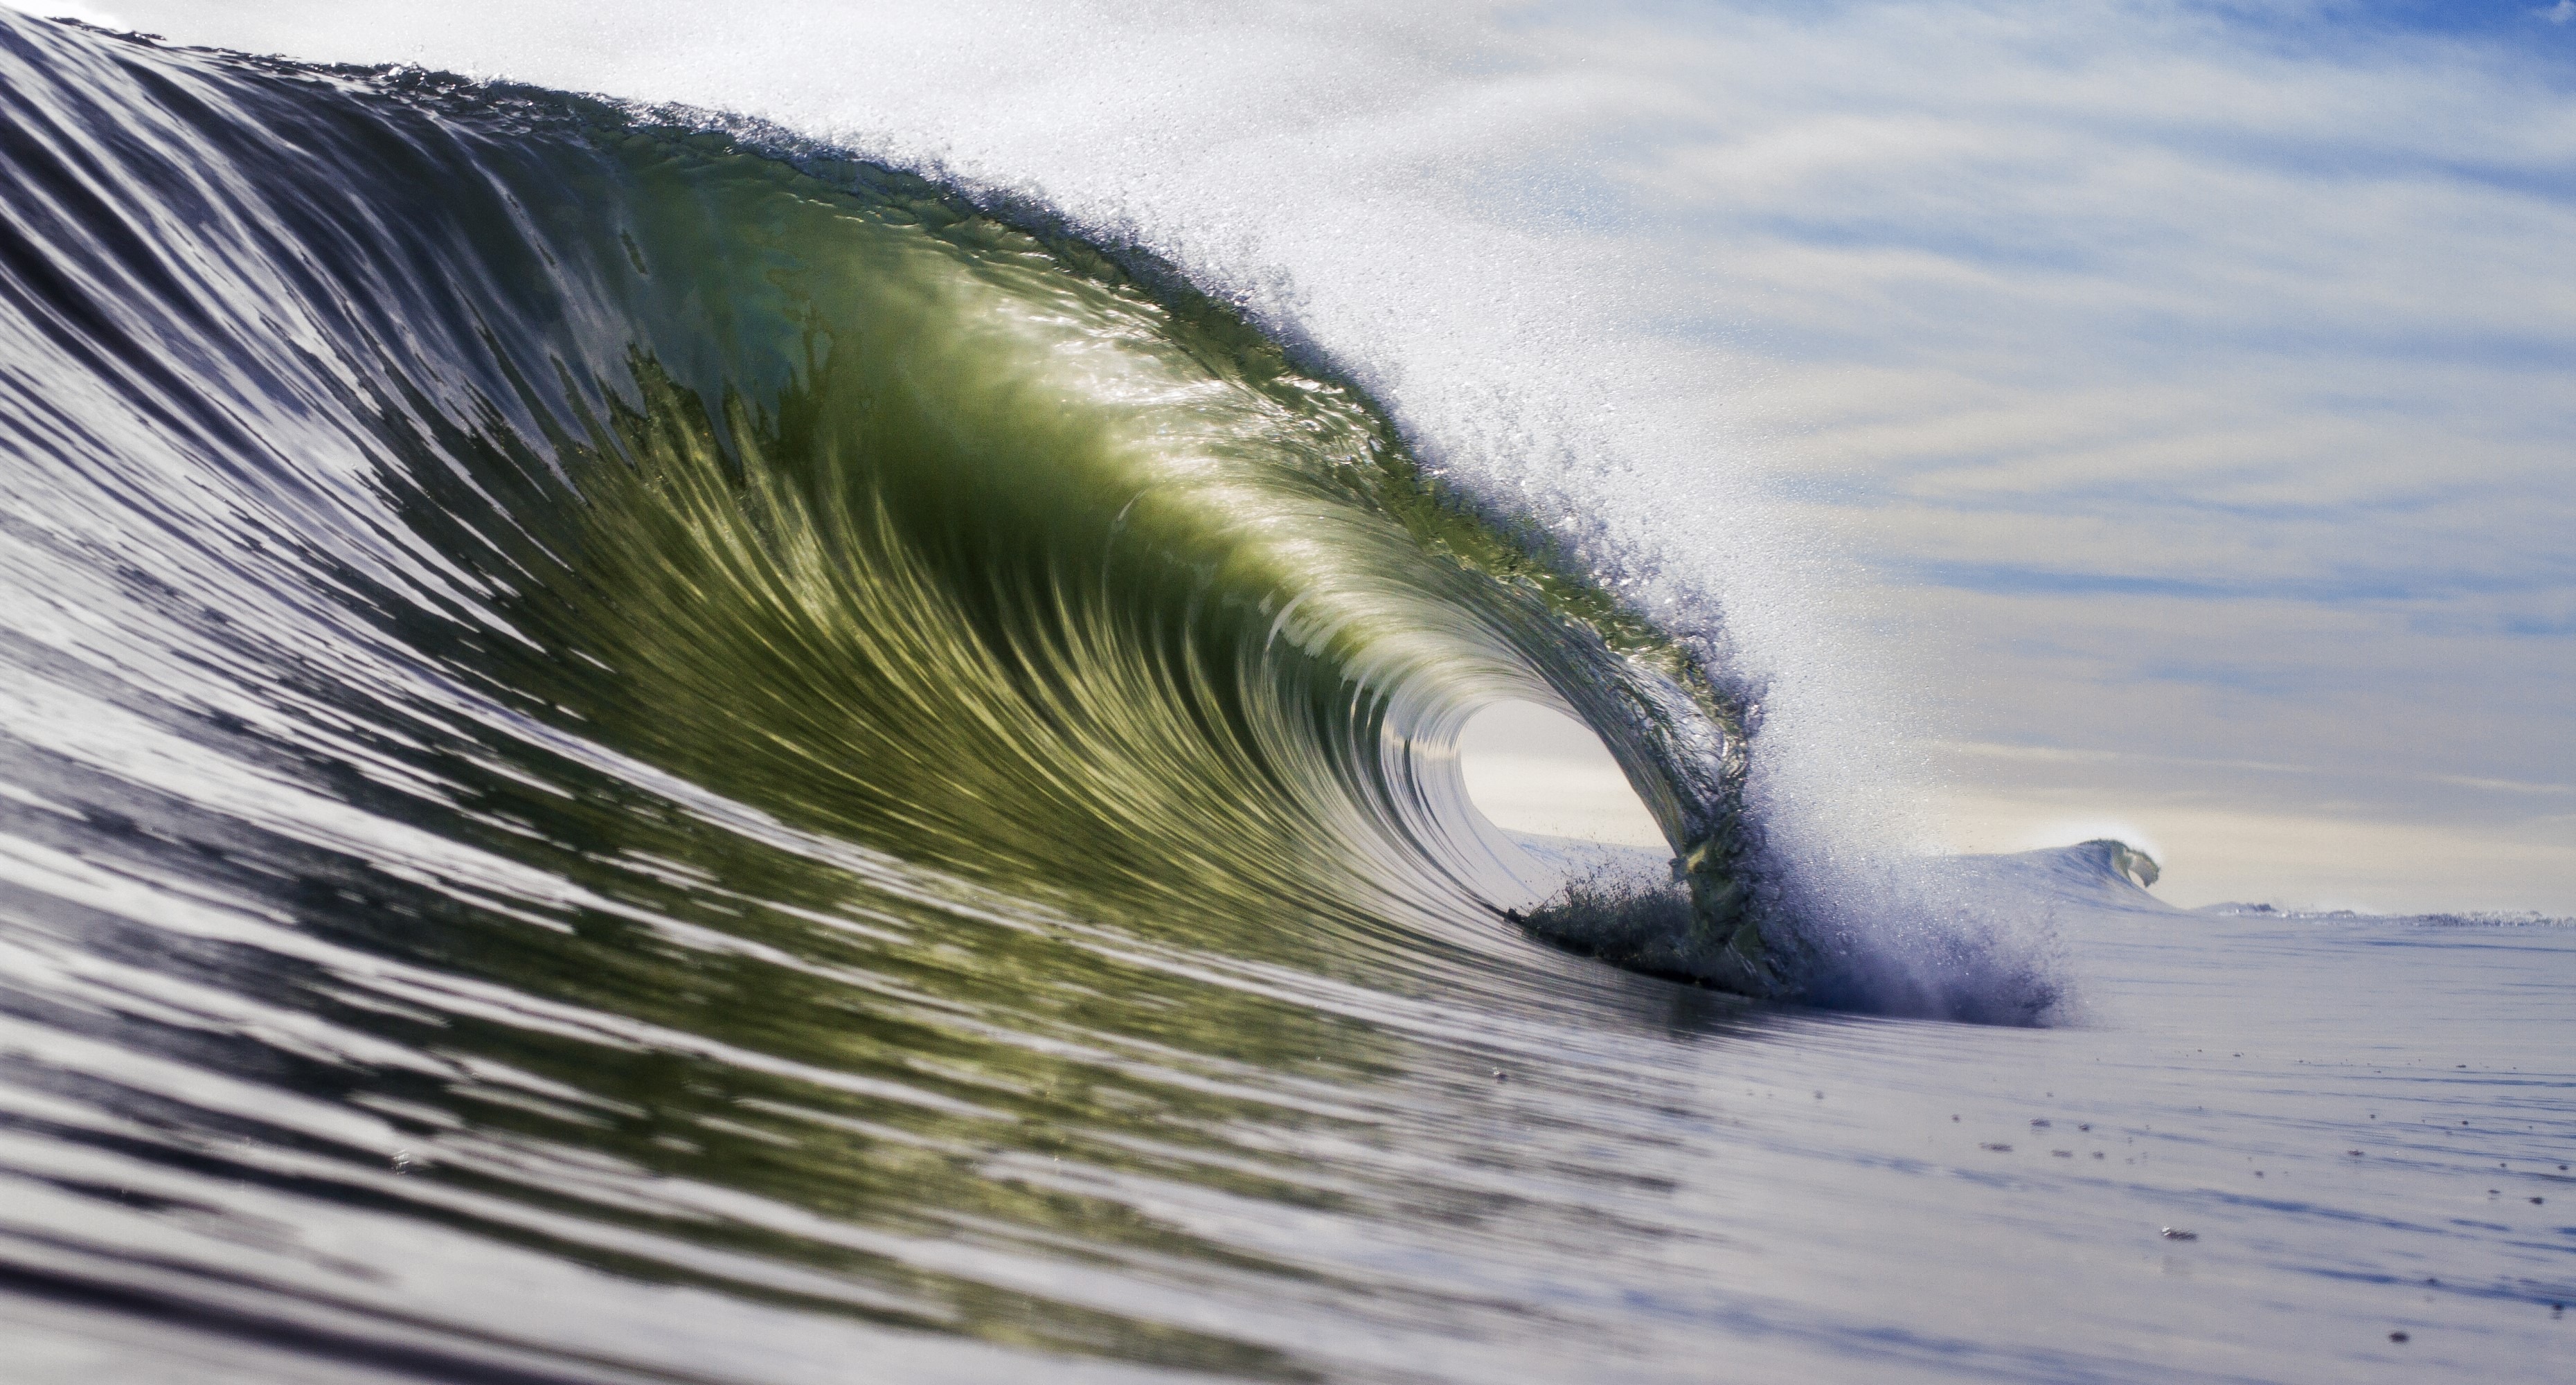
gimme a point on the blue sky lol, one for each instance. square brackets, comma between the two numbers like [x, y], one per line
[2196, 380]
[2151, 417]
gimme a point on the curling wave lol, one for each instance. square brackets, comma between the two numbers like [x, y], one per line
[797, 479]
[621, 690]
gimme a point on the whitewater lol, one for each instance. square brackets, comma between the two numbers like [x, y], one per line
[647, 743]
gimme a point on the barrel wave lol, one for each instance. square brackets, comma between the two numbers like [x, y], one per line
[602, 697]
[796, 479]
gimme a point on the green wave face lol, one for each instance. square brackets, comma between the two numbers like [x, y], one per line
[952, 540]
[751, 728]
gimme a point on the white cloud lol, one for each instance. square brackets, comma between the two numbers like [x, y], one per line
[70, 9]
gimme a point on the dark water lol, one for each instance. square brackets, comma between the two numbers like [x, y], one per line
[638, 752]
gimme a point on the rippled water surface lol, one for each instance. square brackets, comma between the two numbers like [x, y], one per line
[2360, 1125]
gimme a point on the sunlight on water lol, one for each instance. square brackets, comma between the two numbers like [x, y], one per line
[1532, 769]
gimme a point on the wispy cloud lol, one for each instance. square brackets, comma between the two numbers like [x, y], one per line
[2230, 348]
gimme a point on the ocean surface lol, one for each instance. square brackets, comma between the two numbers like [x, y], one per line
[633, 748]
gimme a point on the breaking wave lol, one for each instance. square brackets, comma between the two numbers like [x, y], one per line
[621, 686]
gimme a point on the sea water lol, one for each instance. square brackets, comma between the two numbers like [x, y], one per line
[638, 748]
